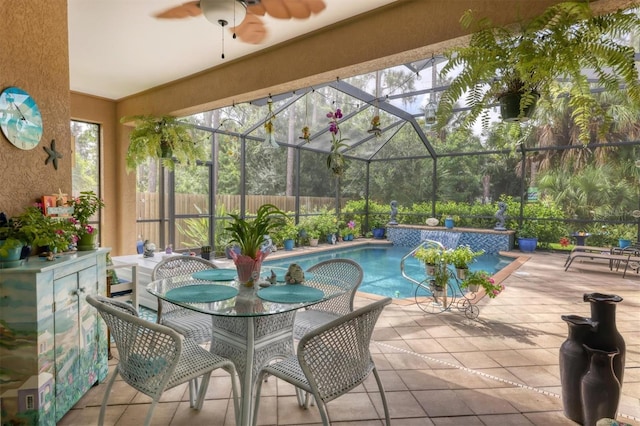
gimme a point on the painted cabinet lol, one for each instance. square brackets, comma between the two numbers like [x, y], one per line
[53, 344]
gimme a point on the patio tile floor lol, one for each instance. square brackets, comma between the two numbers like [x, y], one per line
[438, 369]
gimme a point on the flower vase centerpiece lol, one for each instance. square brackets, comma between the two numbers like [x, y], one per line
[476, 280]
[249, 234]
[85, 206]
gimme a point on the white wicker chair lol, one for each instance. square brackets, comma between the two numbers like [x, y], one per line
[153, 358]
[331, 360]
[194, 325]
[346, 272]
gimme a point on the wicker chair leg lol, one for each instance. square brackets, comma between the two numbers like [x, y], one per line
[382, 396]
[147, 420]
[259, 381]
[106, 397]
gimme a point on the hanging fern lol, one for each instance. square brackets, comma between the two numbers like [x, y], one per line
[558, 45]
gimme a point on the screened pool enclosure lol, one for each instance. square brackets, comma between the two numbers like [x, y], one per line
[392, 153]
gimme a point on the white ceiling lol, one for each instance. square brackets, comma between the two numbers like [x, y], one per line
[117, 48]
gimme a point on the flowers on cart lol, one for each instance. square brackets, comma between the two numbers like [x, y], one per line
[484, 280]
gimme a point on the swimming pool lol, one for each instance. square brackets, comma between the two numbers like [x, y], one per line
[381, 265]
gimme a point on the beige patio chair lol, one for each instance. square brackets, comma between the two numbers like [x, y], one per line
[331, 360]
[153, 358]
[345, 272]
[194, 325]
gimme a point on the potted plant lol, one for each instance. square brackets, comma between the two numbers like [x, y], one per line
[461, 257]
[85, 206]
[527, 235]
[519, 65]
[430, 256]
[335, 160]
[45, 232]
[288, 233]
[439, 279]
[623, 234]
[377, 227]
[481, 279]
[349, 230]
[249, 235]
[164, 137]
[327, 225]
[11, 243]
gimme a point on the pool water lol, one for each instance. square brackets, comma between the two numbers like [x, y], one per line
[381, 265]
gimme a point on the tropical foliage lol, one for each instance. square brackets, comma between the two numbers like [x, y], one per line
[249, 233]
[529, 60]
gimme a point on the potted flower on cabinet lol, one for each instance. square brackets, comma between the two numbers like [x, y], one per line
[476, 280]
[249, 235]
[163, 137]
[517, 66]
[11, 243]
[461, 257]
[85, 206]
[47, 233]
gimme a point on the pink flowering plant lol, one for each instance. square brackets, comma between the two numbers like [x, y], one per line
[336, 161]
[484, 280]
[84, 206]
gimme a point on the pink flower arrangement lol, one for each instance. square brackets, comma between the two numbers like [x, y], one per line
[351, 224]
[484, 280]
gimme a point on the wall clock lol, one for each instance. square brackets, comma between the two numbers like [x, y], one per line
[20, 118]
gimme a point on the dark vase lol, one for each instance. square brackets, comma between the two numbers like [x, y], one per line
[25, 252]
[574, 363]
[606, 337]
[600, 387]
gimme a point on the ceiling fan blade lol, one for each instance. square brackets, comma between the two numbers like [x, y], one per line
[287, 9]
[276, 9]
[252, 30]
[185, 10]
[297, 9]
[316, 6]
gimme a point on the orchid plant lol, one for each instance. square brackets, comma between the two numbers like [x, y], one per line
[336, 161]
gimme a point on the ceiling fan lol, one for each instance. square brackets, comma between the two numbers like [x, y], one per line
[250, 29]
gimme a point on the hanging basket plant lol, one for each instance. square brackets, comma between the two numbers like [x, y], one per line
[335, 160]
[500, 63]
[162, 137]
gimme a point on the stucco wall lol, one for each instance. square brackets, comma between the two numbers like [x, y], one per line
[34, 57]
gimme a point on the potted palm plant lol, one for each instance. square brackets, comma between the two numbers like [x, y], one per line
[249, 234]
[164, 137]
[516, 66]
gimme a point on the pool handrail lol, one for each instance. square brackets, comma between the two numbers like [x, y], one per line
[424, 243]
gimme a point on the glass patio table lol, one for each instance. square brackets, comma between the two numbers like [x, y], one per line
[251, 325]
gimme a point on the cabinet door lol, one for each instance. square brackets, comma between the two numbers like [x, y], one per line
[76, 346]
[66, 326]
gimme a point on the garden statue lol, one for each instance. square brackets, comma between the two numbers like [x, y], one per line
[149, 249]
[502, 207]
[394, 213]
[267, 245]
